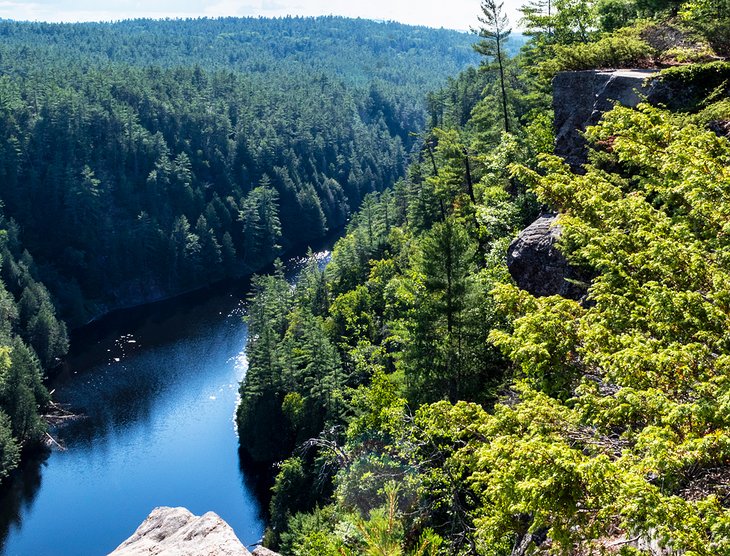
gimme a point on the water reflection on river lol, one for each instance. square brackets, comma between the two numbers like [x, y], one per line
[158, 386]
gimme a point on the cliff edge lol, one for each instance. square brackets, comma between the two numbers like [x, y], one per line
[580, 98]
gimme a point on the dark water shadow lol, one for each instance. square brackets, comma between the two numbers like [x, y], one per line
[19, 491]
[258, 479]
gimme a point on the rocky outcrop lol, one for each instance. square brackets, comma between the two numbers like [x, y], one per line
[177, 532]
[538, 267]
[579, 100]
[581, 97]
[262, 551]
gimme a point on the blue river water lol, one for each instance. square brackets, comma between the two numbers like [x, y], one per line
[157, 386]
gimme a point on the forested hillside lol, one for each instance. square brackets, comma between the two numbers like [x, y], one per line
[140, 159]
[129, 184]
[355, 51]
[429, 406]
[31, 339]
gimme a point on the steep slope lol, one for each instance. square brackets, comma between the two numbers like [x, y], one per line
[428, 405]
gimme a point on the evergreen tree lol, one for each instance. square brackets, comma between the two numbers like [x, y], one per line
[436, 364]
[537, 17]
[9, 450]
[495, 31]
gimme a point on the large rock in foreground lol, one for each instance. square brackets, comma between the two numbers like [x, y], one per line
[538, 267]
[177, 532]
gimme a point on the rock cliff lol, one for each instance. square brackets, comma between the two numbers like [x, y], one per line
[581, 97]
[579, 100]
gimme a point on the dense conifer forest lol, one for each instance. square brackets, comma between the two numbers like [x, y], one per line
[432, 407]
[143, 158]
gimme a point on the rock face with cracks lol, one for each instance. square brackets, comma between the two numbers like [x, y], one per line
[581, 97]
[177, 532]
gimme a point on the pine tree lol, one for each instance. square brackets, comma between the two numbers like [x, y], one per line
[495, 32]
[228, 254]
[537, 17]
[435, 357]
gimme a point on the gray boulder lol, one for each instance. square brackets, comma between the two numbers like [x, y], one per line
[538, 267]
[177, 532]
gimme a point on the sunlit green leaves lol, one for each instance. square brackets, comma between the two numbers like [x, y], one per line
[649, 347]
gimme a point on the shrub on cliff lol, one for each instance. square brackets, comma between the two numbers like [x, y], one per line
[625, 50]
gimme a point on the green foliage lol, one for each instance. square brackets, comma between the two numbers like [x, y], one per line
[542, 340]
[650, 344]
[290, 493]
[711, 74]
[32, 339]
[433, 359]
[571, 35]
[382, 533]
[656, 7]
[379, 408]
[715, 112]
[537, 16]
[711, 19]
[311, 534]
[559, 21]
[146, 158]
[9, 451]
[401, 316]
[323, 532]
[293, 384]
[616, 14]
[709, 9]
[408, 311]
[619, 50]
[574, 21]
[610, 421]
[617, 411]
[255, 45]
[701, 83]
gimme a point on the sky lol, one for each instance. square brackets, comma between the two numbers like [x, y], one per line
[451, 14]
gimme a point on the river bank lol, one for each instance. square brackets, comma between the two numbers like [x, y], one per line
[158, 385]
[290, 252]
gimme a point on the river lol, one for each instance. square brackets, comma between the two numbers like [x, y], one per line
[158, 388]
